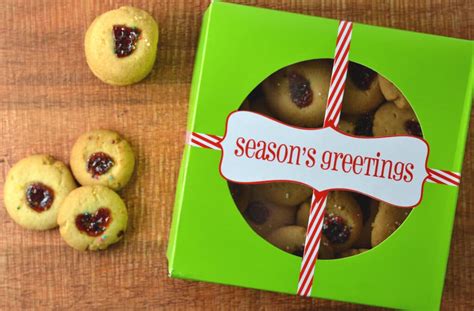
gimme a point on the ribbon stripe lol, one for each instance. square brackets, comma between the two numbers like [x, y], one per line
[333, 112]
[313, 239]
[444, 177]
[204, 140]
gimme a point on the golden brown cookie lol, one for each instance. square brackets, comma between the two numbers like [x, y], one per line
[389, 120]
[364, 240]
[346, 126]
[289, 239]
[34, 189]
[120, 45]
[362, 91]
[92, 218]
[297, 94]
[342, 221]
[302, 215]
[102, 157]
[264, 216]
[392, 93]
[284, 193]
[387, 220]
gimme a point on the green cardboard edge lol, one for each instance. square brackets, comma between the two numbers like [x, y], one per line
[197, 72]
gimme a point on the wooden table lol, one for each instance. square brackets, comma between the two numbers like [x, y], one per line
[48, 97]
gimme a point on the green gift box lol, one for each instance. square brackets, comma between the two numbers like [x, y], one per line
[239, 47]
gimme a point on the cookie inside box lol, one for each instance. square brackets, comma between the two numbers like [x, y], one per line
[372, 107]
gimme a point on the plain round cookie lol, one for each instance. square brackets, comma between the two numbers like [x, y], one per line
[102, 157]
[365, 237]
[106, 37]
[389, 120]
[392, 93]
[387, 220]
[362, 91]
[297, 94]
[289, 239]
[34, 189]
[92, 218]
[302, 215]
[284, 193]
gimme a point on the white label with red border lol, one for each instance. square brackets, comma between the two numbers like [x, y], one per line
[258, 149]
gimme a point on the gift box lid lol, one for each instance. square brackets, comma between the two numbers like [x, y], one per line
[239, 47]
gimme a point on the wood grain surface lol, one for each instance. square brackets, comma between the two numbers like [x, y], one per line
[48, 97]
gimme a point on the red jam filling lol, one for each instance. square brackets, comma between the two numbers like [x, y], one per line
[99, 163]
[363, 126]
[125, 40]
[300, 90]
[39, 197]
[257, 212]
[413, 128]
[94, 224]
[361, 76]
[335, 229]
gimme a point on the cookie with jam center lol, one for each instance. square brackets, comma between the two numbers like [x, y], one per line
[92, 218]
[343, 220]
[34, 189]
[264, 216]
[362, 91]
[389, 120]
[357, 125]
[326, 251]
[297, 94]
[120, 45]
[102, 157]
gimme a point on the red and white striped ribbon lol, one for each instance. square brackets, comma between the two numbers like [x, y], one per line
[318, 201]
[204, 140]
[210, 141]
[313, 240]
[444, 177]
[339, 73]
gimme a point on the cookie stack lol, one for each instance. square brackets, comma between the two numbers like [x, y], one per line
[297, 95]
[40, 192]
